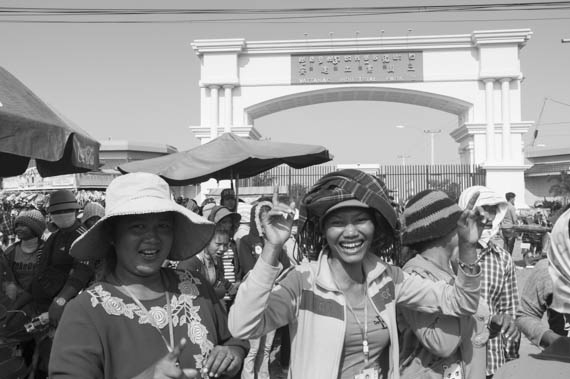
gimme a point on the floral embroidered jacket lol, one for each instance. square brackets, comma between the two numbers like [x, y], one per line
[104, 334]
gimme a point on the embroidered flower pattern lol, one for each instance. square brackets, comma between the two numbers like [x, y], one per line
[184, 312]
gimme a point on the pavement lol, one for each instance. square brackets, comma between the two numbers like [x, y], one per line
[526, 348]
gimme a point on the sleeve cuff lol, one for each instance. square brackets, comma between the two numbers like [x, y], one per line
[465, 280]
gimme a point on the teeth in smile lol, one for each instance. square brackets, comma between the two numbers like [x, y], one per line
[149, 252]
[351, 245]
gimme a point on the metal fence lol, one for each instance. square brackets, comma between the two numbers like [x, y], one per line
[403, 181]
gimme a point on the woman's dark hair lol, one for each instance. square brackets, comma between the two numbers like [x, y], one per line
[311, 240]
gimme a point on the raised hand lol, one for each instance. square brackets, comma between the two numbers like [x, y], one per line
[471, 223]
[168, 367]
[279, 221]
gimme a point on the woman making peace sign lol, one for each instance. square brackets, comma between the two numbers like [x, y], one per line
[341, 308]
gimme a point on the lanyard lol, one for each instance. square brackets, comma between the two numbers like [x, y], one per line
[169, 346]
[363, 330]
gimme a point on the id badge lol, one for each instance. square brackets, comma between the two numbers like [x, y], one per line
[369, 373]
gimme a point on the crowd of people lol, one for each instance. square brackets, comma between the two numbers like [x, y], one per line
[148, 288]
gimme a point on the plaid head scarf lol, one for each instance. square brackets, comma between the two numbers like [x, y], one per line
[345, 185]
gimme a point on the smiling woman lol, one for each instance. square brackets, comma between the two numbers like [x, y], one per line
[142, 320]
[341, 309]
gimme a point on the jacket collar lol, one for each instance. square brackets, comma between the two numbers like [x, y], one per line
[374, 267]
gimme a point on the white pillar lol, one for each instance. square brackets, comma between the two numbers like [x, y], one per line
[204, 106]
[215, 110]
[490, 132]
[229, 108]
[506, 115]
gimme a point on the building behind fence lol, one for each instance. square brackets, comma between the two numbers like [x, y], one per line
[403, 181]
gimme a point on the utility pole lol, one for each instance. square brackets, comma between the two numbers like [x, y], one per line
[403, 158]
[432, 133]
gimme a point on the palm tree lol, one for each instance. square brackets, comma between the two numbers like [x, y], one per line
[562, 186]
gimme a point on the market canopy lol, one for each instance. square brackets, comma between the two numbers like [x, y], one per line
[228, 157]
[29, 128]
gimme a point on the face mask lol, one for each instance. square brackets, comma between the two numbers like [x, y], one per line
[64, 220]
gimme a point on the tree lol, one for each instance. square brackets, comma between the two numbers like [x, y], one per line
[562, 186]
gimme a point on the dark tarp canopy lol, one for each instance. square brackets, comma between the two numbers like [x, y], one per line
[29, 128]
[228, 157]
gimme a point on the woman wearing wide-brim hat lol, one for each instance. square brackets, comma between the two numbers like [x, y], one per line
[143, 320]
[341, 308]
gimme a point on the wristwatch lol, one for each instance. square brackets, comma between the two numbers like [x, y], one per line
[60, 301]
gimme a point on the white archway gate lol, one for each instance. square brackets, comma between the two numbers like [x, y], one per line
[475, 76]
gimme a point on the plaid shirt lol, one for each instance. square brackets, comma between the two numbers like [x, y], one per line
[499, 289]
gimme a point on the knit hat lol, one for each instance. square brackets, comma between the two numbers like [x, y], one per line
[62, 199]
[92, 210]
[427, 216]
[34, 220]
[142, 193]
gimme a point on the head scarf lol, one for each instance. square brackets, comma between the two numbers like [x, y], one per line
[340, 186]
[559, 268]
[486, 197]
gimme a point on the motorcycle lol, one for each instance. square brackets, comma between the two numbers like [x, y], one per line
[535, 242]
[17, 334]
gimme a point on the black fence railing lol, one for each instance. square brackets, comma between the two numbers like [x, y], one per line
[403, 181]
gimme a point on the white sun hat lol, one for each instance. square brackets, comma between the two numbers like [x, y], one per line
[137, 194]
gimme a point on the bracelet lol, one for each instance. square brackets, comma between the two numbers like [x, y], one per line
[469, 267]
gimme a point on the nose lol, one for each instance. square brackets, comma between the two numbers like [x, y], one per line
[350, 230]
[152, 234]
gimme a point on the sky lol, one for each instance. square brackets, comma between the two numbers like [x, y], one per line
[139, 81]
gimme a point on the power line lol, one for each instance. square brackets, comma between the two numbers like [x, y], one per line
[264, 14]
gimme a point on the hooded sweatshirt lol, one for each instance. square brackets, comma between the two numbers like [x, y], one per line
[251, 245]
[498, 282]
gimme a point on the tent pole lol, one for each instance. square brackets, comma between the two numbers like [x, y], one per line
[237, 190]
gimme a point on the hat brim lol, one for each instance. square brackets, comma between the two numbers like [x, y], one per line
[223, 213]
[191, 231]
[351, 203]
[60, 207]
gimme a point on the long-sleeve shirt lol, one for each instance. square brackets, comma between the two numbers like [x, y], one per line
[434, 344]
[536, 297]
[500, 291]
